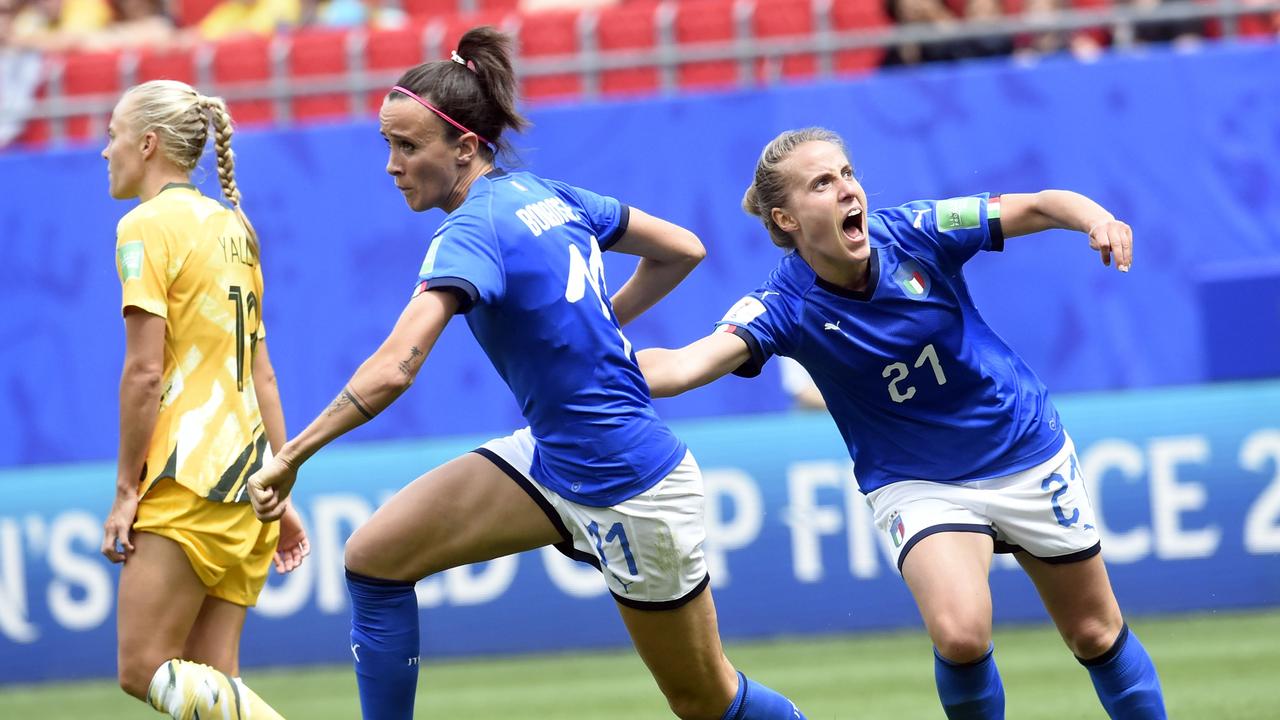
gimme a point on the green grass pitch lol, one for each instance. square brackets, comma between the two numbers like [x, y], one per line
[1219, 666]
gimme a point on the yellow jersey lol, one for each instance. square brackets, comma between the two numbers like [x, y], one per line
[188, 259]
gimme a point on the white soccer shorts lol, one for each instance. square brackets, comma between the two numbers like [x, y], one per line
[649, 548]
[1044, 510]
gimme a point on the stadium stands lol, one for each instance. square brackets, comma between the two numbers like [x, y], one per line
[626, 48]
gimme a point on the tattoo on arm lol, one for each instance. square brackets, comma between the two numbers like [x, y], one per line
[406, 366]
[345, 398]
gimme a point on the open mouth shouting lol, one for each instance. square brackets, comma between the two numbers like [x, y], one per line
[853, 225]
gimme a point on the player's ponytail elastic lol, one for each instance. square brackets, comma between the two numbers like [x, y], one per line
[474, 91]
[768, 189]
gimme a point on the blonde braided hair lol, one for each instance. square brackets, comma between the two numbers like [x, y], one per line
[217, 111]
[180, 118]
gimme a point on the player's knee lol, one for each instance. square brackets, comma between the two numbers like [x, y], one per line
[961, 642]
[134, 678]
[362, 556]
[1092, 637]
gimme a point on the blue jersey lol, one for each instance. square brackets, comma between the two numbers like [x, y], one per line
[523, 253]
[919, 385]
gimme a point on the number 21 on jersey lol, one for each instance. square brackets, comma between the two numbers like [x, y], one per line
[589, 272]
[897, 372]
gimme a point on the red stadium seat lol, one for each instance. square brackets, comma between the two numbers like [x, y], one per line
[785, 19]
[317, 53]
[244, 60]
[550, 34]
[848, 15]
[1260, 26]
[630, 26]
[169, 64]
[190, 12]
[429, 9]
[89, 74]
[700, 22]
[505, 6]
[392, 52]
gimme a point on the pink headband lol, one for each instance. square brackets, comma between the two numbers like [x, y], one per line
[439, 112]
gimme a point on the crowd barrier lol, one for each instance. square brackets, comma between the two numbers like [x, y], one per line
[1186, 483]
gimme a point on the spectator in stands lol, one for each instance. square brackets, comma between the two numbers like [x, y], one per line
[53, 25]
[1083, 44]
[352, 13]
[249, 17]
[138, 23]
[993, 46]
[19, 76]
[1179, 32]
[926, 13]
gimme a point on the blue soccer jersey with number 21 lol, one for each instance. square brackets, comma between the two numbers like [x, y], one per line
[525, 254]
[918, 384]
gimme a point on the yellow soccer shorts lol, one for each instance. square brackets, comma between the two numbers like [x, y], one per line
[228, 547]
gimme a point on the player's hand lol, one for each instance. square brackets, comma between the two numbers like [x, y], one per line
[292, 545]
[269, 489]
[1113, 239]
[115, 531]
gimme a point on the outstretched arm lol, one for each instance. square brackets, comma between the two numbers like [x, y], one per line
[668, 253]
[376, 384]
[672, 372]
[1023, 214]
[292, 545]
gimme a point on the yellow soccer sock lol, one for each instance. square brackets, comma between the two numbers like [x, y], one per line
[189, 690]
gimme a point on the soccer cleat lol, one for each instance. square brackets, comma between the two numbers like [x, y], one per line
[191, 691]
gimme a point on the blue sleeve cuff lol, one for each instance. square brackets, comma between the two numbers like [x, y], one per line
[752, 367]
[465, 291]
[994, 229]
[624, 217]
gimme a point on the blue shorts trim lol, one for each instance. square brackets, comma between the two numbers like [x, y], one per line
[1077, 556]
[945, 527]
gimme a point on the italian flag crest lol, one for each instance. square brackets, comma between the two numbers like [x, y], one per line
[897, 530]
[913, 280]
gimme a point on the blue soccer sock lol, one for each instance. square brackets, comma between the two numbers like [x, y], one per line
[969, 691]
[1126, 680]
[757, 702]
[384, 641]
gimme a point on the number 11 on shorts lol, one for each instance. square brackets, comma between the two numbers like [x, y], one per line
[614, 532]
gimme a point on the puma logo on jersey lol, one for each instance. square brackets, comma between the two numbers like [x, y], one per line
[353, 651]
[767, 293]
[832, 326]
[919, 216]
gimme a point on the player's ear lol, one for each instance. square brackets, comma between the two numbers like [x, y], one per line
[784, 220]
[468, 145]
[149, 144]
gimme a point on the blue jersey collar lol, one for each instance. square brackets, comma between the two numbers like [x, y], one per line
[864, 294]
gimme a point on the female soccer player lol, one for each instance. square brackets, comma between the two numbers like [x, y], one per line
[956, 443]
[596, 473]
[198, 405]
